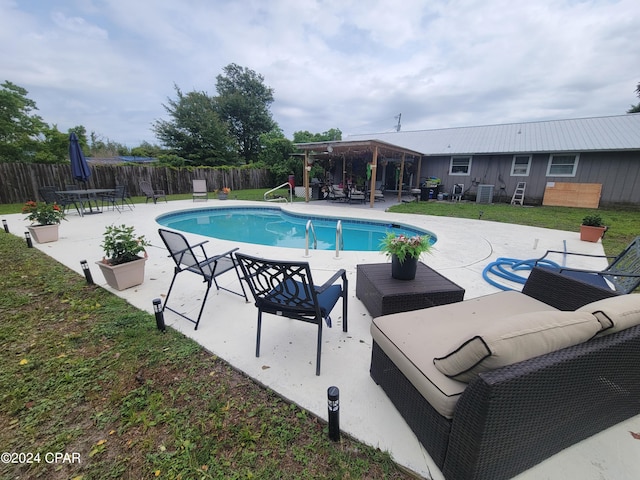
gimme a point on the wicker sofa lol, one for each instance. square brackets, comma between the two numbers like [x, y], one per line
[508, 419]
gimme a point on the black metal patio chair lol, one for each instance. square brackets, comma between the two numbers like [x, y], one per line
[117, 198]
[50, 194]
[287, 289]
[186, 259]
[622, 275]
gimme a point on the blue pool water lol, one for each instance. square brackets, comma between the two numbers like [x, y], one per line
[271, 226]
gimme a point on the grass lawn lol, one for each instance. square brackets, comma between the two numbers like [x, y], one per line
[623, 223]
[87, 375]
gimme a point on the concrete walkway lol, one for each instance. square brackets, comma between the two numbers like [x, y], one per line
[287, 361]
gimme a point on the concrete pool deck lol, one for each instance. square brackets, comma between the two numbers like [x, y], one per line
[287, 361]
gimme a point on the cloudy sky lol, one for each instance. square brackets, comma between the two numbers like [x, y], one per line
[350, 64]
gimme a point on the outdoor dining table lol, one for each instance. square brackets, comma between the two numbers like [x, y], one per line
[88, 195]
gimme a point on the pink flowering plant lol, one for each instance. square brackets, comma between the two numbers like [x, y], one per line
[404, 246]
[43, 213]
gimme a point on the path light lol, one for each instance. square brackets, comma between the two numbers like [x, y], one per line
[86, 271]
[27, 236]
[333, 395]
[5, 225]
[159, 315]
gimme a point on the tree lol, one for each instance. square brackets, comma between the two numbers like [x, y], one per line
[308, 137]
[54, 147]
[145, 149]
[100, 147]
[20, 128]
[635, 108]
[196, 133]
[276, 155]
[243, 102]
[275, 147]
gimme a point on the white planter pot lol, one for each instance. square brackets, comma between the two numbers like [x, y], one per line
[44, 233]
[125, 275]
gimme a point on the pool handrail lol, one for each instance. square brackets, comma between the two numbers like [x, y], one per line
[308, 228]
[286, 184]
[339, 239]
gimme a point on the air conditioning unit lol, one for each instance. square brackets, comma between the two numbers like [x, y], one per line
[485, 194]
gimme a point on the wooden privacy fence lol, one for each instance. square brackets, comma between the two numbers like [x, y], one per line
[19, 182]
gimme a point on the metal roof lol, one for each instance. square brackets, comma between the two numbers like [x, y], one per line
[356, 147]
[613, 133]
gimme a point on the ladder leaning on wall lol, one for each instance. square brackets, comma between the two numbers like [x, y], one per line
[518, 194]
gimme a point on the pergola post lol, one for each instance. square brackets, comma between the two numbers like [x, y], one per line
[374, 168]
[400, 178]
[305, 176]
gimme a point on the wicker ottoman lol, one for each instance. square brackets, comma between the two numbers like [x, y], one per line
[383, 294]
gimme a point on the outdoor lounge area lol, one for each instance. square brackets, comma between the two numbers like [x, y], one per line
[287, 361]
[556, 369]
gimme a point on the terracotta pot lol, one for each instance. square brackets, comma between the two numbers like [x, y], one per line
[125, 275]
[405, 270]
[591, 234]
[44, 233]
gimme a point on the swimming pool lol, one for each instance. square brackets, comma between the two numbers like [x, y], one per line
[273, 227]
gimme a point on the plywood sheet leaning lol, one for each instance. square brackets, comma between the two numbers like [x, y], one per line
[561, 194]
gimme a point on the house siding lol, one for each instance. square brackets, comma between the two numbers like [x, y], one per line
[618, 172]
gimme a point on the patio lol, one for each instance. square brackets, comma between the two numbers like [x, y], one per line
[286, 364]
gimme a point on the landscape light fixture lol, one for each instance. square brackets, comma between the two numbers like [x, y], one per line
[27, 237]
[86, 271]
[157, 308]
[5, 225]
[333, 404]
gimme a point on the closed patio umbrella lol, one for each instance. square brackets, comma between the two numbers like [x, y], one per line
[79, 167]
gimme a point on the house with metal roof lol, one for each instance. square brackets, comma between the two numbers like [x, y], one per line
[578, 154]
[576, 162]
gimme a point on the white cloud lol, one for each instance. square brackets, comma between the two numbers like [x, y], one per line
[110, 64]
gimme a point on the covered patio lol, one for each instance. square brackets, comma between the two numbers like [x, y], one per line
[367, 164]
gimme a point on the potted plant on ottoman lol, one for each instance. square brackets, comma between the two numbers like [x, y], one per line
[122, 266]
[405, 252]
[45, 219]
[592, 228]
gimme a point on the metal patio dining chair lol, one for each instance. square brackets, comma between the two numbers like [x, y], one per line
[50, 194]
[287, 289]
[622, 274]
[116, 198]
[194, 259]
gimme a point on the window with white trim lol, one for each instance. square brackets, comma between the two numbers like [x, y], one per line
[563, 165]
[520, 165]
[460, 166]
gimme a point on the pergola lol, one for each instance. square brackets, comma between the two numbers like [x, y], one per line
[343, 149]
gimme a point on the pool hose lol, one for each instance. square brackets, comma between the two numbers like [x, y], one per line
[498, 268]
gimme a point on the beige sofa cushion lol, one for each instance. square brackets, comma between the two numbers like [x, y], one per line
[620, 312]
[412, 339]
[512, 339]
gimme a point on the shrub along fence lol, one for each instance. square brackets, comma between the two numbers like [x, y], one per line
[20, 181]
